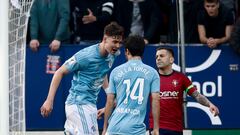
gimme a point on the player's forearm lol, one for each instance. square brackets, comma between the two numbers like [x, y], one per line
[155, 112]
[108, 112]
[105, 83]
[54, 85]
[201, 99]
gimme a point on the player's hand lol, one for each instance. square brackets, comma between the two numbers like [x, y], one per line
[100, 112]
[214, 110]
[155, 132]
[55, 45]
[104, 132]
[34, 44]
[46, 108]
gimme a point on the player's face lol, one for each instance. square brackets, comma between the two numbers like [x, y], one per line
[211, 8]
[112, 43]
[163, 59]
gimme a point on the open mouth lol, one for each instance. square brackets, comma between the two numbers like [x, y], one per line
[114, 50]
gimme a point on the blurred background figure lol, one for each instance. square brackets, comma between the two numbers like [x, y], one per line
[88, 19]
[49, 23]
[190, 12]
[230, 4]
[235, 37]
[139, 17]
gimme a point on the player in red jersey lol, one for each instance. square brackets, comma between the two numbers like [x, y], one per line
[172, 86]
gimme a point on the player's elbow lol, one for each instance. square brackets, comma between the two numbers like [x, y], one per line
[61, 71]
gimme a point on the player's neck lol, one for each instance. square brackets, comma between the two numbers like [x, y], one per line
[134, 58]
[102, 50]
[166, 71]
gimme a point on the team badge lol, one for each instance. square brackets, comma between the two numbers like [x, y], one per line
[175, 83]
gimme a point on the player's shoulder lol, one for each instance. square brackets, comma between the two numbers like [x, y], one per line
[87, 51]
[179, 74]
[149, 67]
[119, 67]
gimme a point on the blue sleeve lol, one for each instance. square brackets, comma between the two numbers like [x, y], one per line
[77, 62]
[155, 85]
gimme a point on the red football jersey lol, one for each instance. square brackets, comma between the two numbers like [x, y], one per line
[171, 91]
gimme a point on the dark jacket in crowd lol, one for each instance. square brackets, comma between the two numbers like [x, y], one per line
[150, 15]
[50, 20]
[235, 37]
[102, 9]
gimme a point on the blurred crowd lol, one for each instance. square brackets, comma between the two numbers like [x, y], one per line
[55, 22]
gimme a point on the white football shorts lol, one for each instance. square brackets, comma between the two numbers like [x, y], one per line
[81, 120]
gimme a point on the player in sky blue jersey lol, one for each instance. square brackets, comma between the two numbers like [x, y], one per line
[130, 85]
[89, 67]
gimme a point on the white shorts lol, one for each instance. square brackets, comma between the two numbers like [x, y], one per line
[81, 120]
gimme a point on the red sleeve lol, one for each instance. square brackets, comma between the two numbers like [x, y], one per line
[188, 86]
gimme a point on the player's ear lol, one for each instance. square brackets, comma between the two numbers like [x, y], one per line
[171, 60]
[104, 38]
[127, 52]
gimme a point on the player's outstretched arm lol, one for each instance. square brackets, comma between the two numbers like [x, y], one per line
[105, 83]
[155, 112]
[108, 111]
[47, 106]
[204, 101]
[101, 111]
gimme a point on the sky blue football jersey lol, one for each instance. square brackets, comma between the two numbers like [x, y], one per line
[132, 83]
[89, 69]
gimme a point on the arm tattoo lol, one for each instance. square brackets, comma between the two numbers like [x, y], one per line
[200, 98]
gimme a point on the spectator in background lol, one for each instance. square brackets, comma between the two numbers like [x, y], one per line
[139, 17]
[173, 24]
[214, 23]
[49, 23]
[191, 9]
[88, 19]
[235, 37]
[230, 4]
[164, 7]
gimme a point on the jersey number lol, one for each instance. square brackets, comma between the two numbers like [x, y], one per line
[138, 84]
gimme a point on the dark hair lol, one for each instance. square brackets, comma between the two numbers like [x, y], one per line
[170, 50]
[211, 1]
[113, 29]
[135, 44]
